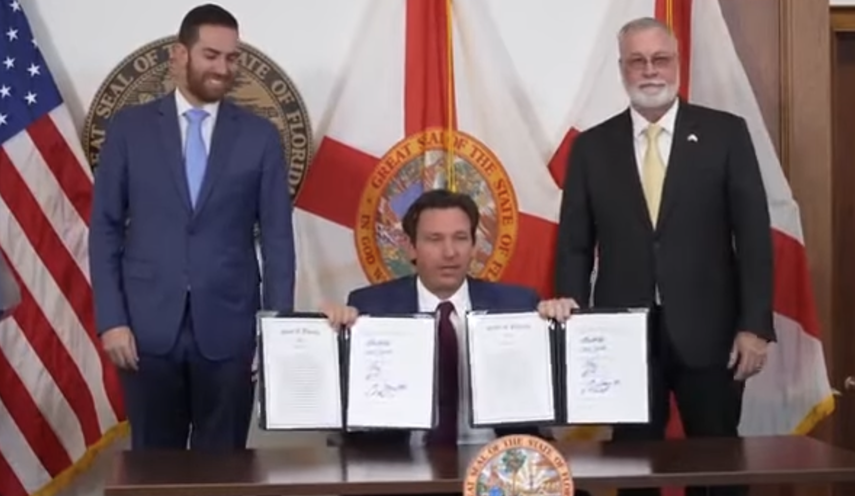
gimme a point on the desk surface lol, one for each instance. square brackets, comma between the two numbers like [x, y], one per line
[318, 471]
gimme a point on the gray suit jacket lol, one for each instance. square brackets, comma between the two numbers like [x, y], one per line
[10, 294]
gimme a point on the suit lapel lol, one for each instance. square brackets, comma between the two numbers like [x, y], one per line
[680, 157]
[409, 295]
[626, 167]
[222, 143]
[170, 137]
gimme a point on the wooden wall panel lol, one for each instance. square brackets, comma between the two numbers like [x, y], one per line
[756, 31]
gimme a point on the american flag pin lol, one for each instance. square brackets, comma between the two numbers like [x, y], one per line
[693, 137]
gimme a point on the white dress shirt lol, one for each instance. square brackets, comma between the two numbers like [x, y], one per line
[666, 137]
[183, 105]
[428, 303]
[664, 141]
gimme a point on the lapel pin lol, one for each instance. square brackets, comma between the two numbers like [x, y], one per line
[693, 137]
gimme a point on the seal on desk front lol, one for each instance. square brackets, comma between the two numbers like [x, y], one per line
[518, 465]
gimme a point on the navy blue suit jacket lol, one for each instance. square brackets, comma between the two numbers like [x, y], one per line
[400, 296]
[149, 248]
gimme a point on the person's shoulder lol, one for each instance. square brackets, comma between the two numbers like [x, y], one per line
[380, 291]
[137, 113]
[248, 118]
[608, 124]
[713, 116]
[507, 291]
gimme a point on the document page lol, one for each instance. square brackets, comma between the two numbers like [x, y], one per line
[392, 368]
[302, 385]
[510, 364]
[607, 374]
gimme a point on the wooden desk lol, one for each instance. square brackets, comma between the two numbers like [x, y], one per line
[330, 471]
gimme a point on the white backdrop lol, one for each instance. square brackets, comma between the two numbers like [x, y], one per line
[548, 40]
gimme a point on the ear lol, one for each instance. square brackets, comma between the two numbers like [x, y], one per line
[179, 54]
[410, 248]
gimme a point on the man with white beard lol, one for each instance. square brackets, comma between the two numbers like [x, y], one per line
[670, 198]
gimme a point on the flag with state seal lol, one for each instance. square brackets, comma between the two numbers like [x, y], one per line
[425, 101]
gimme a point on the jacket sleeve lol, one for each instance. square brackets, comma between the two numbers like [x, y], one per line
[576, 241]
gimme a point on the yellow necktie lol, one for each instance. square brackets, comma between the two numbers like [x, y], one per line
[653, 172]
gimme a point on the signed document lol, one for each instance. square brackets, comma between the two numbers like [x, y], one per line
[607, 369]
[301, 382]
[391, 374]
[510, 360]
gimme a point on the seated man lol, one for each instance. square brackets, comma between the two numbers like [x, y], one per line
[440, 227]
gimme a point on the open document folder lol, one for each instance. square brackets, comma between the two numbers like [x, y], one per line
[378, 374]
[527, 370]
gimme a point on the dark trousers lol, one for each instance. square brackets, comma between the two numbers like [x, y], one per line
[709, 401]
[184, 396]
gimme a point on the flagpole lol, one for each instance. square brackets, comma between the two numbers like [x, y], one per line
[449, 115]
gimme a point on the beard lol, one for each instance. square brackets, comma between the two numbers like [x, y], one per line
[208, 87]
[652, 94]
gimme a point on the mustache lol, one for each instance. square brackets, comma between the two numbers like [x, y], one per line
[651, 82]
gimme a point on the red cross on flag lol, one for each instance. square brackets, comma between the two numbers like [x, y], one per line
[411, 107]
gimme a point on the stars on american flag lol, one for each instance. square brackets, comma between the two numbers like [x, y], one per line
[27, 89]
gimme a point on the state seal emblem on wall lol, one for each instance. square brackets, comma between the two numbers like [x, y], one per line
[516, 465]
[416, 164]
[260, 86]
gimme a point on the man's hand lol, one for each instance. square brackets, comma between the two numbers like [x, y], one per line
[121, 347]
[558, 309]
[340, 315]
[748, 355]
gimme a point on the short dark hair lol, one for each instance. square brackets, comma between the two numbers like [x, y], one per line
[204, 15]
[440, 199]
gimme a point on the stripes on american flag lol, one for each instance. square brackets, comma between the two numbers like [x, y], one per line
[59, 396]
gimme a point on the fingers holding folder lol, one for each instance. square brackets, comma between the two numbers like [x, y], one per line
[340, 316]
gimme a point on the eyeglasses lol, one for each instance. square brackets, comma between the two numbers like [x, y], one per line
[638, 63]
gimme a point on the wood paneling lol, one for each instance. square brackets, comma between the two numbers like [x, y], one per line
[756, 31]
[783, 45]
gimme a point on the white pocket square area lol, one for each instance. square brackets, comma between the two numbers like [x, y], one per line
[692, 137]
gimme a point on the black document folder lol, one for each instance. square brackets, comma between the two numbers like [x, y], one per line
[345, 381]
[556, 357]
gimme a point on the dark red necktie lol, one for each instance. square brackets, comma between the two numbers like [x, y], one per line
[445, 433]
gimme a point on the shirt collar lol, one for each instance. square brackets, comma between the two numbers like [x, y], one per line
[183, 105]
[667, 122]
[429, 301]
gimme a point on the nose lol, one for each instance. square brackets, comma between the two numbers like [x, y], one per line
[650, 71]
[221, 67]
[449, 250]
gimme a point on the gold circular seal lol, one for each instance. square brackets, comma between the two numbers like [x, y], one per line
[416, 164]
[515, 465]
[260, 86]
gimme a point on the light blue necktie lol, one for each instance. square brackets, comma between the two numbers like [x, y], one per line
[195, 154]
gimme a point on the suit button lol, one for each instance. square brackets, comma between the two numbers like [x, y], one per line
[190, 230]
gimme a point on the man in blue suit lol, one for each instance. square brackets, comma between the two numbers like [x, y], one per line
[181, 183]
[440, 227]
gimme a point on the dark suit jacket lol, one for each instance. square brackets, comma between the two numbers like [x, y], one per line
[149, 247]
[711, 252]
[400, 296]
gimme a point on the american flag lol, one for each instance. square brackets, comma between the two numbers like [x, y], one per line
[59, 396]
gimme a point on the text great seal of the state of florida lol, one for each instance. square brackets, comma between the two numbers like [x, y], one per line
[260, 86]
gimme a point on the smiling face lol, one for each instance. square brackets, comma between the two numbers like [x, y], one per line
[442, 249]
[207, 67]
[650, 68]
